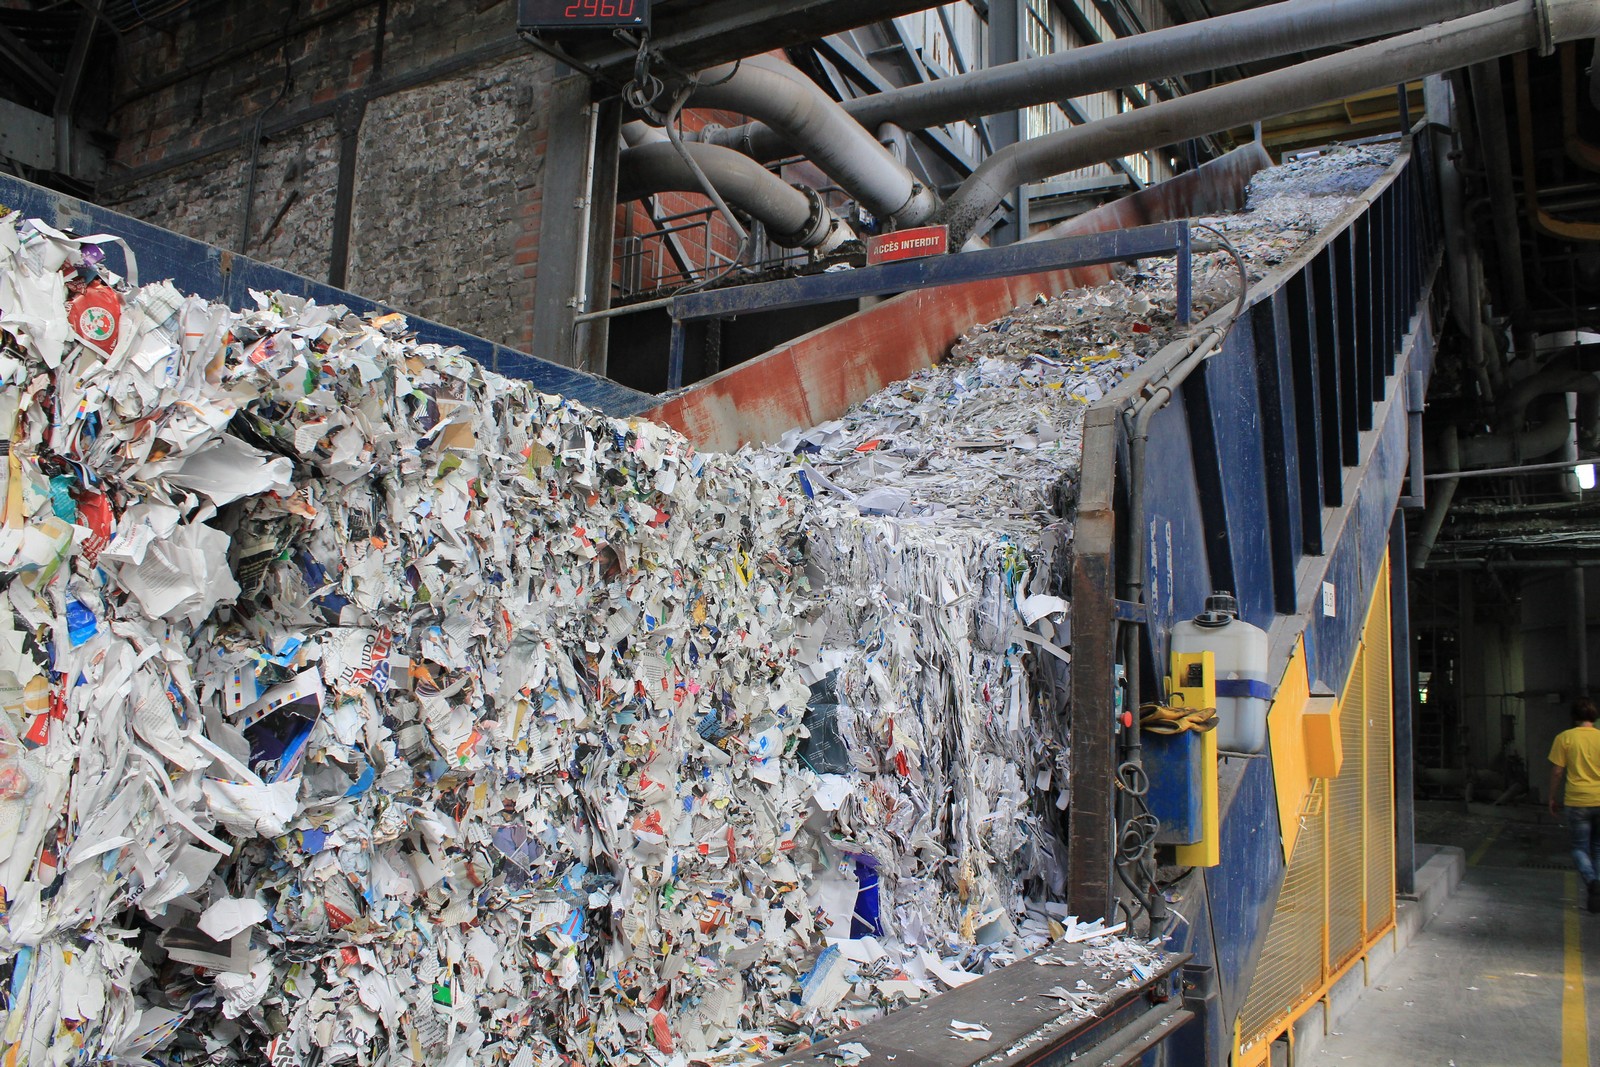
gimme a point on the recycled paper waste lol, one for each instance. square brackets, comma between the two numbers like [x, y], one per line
[363, 706]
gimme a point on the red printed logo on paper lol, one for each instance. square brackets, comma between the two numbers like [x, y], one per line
[97, 324]
[95, 315]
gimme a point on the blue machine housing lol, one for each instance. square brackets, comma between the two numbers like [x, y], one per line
[1276, 465]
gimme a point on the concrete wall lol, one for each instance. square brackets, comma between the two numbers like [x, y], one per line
[447, 108]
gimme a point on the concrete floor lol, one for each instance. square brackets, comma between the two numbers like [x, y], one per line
[1506, 975]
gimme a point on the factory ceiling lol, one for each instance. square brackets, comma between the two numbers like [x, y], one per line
[1528, 154]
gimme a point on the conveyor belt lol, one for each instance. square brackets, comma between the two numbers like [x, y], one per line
[1030, 1029]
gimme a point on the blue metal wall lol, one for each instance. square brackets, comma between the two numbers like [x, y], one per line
[222, 276]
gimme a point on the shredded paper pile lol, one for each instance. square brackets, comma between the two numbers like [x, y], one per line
[363, 706]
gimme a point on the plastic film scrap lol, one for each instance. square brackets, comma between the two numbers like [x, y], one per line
[362, 706]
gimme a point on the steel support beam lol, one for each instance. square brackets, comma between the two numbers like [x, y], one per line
[563, 232]
[839, 51]
[1008, 43]
[348, 119]
[1031, 257]
[1402, 679]
[1092, 819]
[698, 35]
[71, 81]
[16, 52]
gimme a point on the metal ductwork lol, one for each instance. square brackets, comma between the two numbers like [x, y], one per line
[1488, 105]
[638, 133]
[1227, 40]
[1461, 252]
[1561, 377]
[794, 216]
[1551, 429]
[1462, 42]
[1439, 498]
[783, 97]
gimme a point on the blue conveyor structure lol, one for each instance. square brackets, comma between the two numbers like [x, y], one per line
[1275, 470]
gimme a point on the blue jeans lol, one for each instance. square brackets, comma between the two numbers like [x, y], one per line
[1583, 830]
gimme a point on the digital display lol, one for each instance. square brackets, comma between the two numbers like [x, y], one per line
[582, 14]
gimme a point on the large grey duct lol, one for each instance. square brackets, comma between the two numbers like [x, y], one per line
[1551, 429]
[1459, 43]
[1561, 377]
[778, 94]
[1227, 40]
[794, 217]
[1439, 498]
[1461, 252]
[1488, 104]
[638, 133]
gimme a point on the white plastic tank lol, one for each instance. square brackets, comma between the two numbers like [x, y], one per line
[1240, 651]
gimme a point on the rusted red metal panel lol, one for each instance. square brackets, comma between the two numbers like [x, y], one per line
[818, 376]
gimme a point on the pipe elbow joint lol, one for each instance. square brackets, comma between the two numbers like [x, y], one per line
[920, 207]
[822, 231]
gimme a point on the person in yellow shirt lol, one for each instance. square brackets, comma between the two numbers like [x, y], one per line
[1575, 756]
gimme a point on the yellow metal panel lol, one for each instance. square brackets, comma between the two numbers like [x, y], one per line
[1347, 823]
[1291, 965]
[1338, 888]
[1286, 740]
[1207, 852]
[1380, 762]
[1324, 743]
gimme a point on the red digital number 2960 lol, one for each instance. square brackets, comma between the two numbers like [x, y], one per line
[605, 9]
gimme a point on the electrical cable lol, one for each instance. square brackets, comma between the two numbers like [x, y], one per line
[676, 137]
[1136, 839]
[1238, 261]
[641, 94]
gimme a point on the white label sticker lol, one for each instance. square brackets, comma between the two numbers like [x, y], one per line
[1328, 603]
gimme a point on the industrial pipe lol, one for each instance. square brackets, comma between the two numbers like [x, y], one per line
[1488, 106]
[775, 92]
[638, 133]
[1210, 44]
[1461, 252]
[1549, 432]
[1438, 501]
[1562, 377]
[1473, 39]
[794, 216]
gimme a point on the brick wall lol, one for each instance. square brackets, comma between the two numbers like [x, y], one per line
[445, 216]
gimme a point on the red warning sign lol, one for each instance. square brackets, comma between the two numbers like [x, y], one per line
[908, 244]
